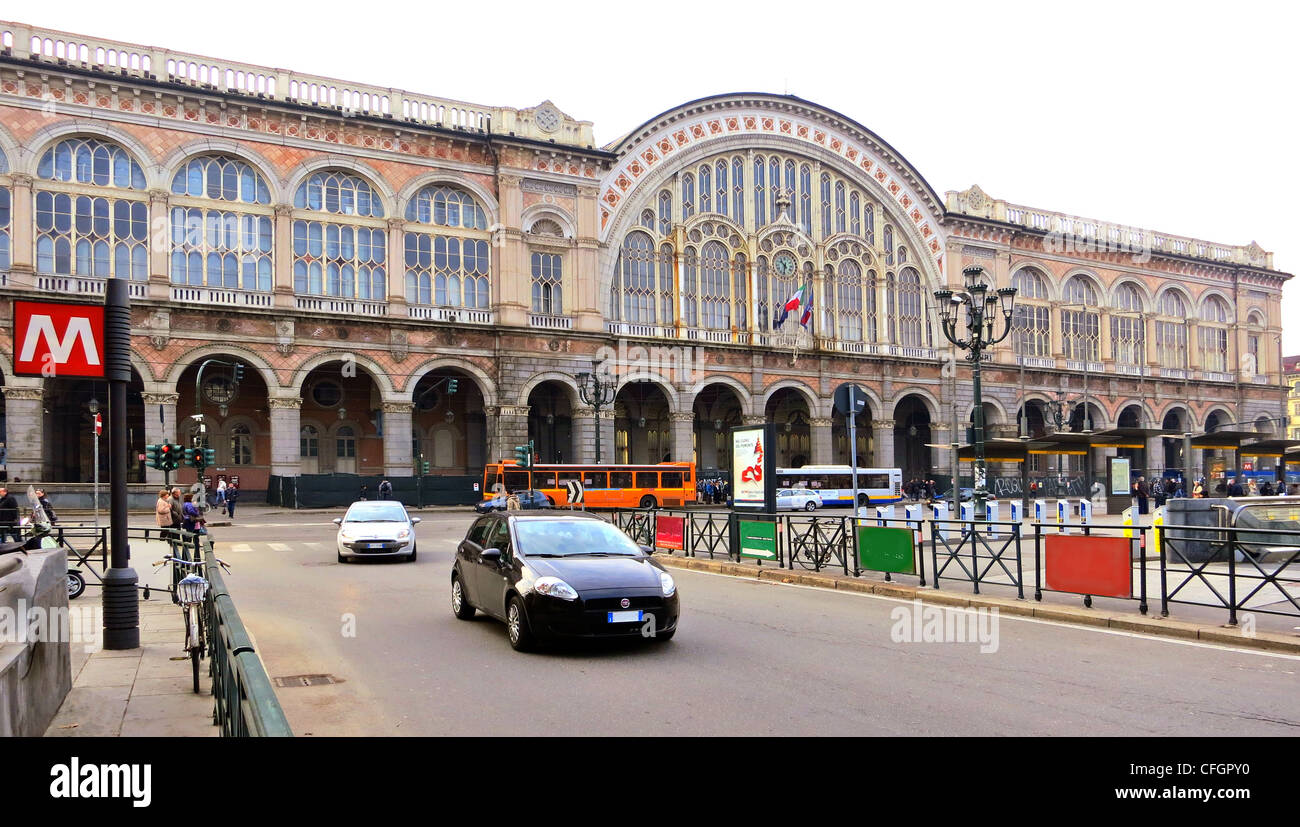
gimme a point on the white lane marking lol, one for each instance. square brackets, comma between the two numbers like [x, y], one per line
[239, 548]
[1078, 626]
[313, 545]
[279, 546]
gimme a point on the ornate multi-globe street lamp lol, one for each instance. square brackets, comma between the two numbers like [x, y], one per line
[981, 322]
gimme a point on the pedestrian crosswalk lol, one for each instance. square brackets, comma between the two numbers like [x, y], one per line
[246, 548]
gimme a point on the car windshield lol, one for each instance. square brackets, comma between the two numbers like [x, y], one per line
[571, 538]
[380, 512]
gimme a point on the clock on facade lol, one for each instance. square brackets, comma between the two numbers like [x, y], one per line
[784, 264]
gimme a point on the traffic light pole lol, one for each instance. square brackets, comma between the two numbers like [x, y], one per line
[121, 601]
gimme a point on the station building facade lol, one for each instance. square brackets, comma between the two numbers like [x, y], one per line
[355, 248]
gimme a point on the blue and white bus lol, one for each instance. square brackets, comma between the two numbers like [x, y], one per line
[876, 486]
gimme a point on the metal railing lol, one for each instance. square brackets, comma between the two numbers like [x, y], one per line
[244, 700]
[1245, 569]
[982, 545]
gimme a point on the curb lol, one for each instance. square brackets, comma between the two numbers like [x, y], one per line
[1079, 616]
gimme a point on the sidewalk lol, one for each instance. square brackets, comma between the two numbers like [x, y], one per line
[138, 692]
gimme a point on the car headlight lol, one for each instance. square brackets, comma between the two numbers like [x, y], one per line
[403, 534]
[345, 535]
[555, 587]
[666, 583]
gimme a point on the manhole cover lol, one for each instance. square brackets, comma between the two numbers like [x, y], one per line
[290, 681]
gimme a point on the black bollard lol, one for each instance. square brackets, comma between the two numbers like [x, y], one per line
[121, 600]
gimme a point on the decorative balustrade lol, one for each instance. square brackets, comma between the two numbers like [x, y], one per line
[458, 315]
[335, 304]
[550, 322]
[85, 286]
[221, 296]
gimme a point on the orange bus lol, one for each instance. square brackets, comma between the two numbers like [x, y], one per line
[669, 484]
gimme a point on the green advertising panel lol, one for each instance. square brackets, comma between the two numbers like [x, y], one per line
[758, 540]
[886, 549]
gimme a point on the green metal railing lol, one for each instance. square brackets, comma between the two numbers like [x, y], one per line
[244, 700]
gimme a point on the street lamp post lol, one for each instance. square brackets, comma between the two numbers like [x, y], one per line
[1057, 410]
[981, 319]
[592, 391]
[93, 405]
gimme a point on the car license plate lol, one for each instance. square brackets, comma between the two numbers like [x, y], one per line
[625, 617]
[374, 545]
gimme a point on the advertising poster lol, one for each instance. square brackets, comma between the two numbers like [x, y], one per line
[749, 467]
[1119, 476]
[758, 540]
[670, 532]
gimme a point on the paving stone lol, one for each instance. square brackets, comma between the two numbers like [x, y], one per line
[95, 711]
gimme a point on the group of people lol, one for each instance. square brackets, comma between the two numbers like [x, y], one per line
[177, 511]
[919, 489]
[1165, 489]
[10, 514]
[713, 491]
[385, 491]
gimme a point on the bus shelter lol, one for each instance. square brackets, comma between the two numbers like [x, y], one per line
[1009, 451]
[1066, 444]
[1130, 444]
[1275, 449]
[1216, 469]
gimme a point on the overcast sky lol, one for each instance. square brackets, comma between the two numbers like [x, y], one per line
[1178, 117]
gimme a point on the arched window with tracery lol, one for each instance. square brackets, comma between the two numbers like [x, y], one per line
[715, 287]
[344, 255]
[226, 244]
[241, 445]
[449, 266]
[1031, 321]
[760, 192]
[1171, 331]
[1080, 322]
[92, 218]
[635, 293]
[1213, 334]
[548, 280]
[848, 296]
[1127, 329]
[911, 309]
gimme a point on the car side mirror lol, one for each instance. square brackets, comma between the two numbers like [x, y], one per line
[338, 521]
[647, 550]
[492, 555]
[415, 520]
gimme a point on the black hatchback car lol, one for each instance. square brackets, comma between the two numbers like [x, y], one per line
[561, 575]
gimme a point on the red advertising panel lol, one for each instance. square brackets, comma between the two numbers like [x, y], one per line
[58, 339]
[670, 532]
[1089, 565]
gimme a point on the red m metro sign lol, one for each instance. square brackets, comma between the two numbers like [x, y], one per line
[58, 339]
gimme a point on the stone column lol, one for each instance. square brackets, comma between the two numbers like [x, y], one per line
[683, 436]
[819, 434]
[606, 425]
[584, 435]
[286, 430]
[283, 263]
[21, 227]
[512, 428]
[583, 283]
[160, 254]
[159, 427]
[396, 275]
[511, 287]
[941, 459]
[24, 432]
[397, 439]
[884, 443]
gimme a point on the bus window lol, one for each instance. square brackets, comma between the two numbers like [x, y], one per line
[688, 477]
[544, 479]
[873, 481]
[647, 479]
[672, 479]
[620, 479]
[516, 481]
[594, 479]
[489, 479]
[569, 476]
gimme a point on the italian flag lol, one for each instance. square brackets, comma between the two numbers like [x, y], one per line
[791, 304]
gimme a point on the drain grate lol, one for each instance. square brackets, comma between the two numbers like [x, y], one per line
[290, 681]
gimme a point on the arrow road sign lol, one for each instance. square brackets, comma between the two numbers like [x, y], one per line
[575, 491]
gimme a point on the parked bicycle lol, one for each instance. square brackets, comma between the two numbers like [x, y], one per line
[191, 591]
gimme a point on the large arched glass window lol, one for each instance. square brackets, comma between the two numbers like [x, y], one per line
[5, 218]
[332, 258]
[715, 286]
[636, 294]
[548, 279]
[241, 445]
[448, 268]
[848, 296]
[911, 318]
[1171, 331]
[1080, 322]
[1031, 321]
[1127, 329]
[226, 246]
[101, 229]
[1213, 334]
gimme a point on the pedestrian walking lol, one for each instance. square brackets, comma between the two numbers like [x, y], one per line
[221, 494]
[1140, 491]
[1198, 489]
[162, 510]
[8, 517]
[232, 496]
[1265, 489]
[1235, 489]
[365, 493]
[385, 490]
[178, 515]
[190, 514]
[46, 507]
[1158, 492]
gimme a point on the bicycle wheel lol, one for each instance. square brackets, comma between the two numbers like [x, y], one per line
[194, 641]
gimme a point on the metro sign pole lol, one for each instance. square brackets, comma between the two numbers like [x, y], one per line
[55, 339]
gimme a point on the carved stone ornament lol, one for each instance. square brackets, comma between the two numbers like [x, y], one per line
[398, 407]
[160, 398]
[513, 410]
[682, 416]
[285, 402]
[284, 336]
[1255, 252]
[976, 200]
[399, 344]
[159, 324]
[29, 394]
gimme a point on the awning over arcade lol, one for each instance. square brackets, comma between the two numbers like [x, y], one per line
[1224, 440]
[1130, 437]
[1272, 448]
[1069, 443]
[995, 450]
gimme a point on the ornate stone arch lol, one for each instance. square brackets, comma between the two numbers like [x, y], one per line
[486, 385]
[538, 212]
[169, 165]
[1173, 406]
[1225, 414]
[1112, 294]
[383, 188]
[1088, 275]
[875, 407]
[933, 406]
[1148, 412]
[994, 403]
[742, 392]
[1204, 296]
[13, 151]
[570, 385]
[1050, 282]
[43, 138]
[450, 178]
[809, 395]
[377, 371]
[669, 391]
[1192, 304]
[196, 354]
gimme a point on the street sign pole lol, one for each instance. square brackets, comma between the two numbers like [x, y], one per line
[853, 446]
[121, 601]
[97, 429]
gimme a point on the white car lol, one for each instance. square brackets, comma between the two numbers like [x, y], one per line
[795, 499]
[376, 528]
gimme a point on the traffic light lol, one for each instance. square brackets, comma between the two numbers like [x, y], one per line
[153, 456]
[169, 457]
[239, 373]
[187, 457]
[523, 455]
[424, 467]
[209, 457]
[452, 384]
